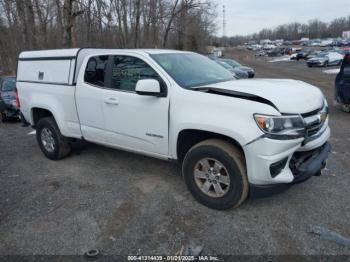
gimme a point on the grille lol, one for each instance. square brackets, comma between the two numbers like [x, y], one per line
[315, 120]
[314, 128]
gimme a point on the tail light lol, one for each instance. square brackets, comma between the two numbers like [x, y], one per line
[17, 98]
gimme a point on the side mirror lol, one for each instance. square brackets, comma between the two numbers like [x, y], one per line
[148, 87]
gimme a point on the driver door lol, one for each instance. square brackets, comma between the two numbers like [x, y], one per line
[133, 121]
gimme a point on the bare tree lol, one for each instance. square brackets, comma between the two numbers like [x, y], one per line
[41, 24]
[69, 16]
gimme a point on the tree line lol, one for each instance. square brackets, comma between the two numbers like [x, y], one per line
[295, 31]
[48, 24]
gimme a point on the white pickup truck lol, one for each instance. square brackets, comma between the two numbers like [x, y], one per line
[233, 138]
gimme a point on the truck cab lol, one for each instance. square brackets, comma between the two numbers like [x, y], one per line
[233, 138]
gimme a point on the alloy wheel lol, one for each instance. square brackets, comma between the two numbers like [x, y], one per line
[211, 177]
[47, 140]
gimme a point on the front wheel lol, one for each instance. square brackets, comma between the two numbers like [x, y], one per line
[50, 140]
[215, 173]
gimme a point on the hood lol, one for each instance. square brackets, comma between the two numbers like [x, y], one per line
[246, 68]
[288, 96]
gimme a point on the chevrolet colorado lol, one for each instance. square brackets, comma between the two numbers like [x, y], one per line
[233, 138]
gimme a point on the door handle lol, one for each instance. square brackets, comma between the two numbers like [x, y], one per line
[111, 101]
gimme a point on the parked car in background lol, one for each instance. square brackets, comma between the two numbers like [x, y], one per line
[312, 54]
[9, 105]
[287, 43]
[341, 42]
[303, 54]
[235, 64]
[261, 53]
[326, 42]
[315, 42]
[325, 59]
[342, 85]
[236, 72]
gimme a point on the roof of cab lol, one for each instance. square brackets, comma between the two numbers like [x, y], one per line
[73, 52]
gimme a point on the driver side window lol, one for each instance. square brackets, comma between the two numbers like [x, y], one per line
[128, 70]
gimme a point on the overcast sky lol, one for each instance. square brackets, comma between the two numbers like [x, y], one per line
[249, 16]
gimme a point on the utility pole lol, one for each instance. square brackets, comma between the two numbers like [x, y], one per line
[224, 25]
[223, 21]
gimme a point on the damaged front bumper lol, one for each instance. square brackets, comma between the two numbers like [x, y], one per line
[307, 164]
[303, 166]
[274, 165]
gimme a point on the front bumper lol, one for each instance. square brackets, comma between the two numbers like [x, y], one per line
[251, 74]
[296, 161]
[303, 165]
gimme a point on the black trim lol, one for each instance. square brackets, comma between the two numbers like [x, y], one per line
[46, 58]
[236, 94]
[46, 83]
[76, 64]
[313, 112]
[277, 167]
[155, 94]
[260, 191]
[307, 164]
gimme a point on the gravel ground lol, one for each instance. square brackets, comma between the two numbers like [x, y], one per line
[126, 204]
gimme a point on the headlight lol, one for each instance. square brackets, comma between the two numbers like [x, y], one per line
[281, 127]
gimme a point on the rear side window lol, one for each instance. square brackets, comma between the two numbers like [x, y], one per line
[127, 70]
[8, 85]
[95, 71]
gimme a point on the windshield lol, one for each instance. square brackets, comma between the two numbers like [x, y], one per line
[225, 65]
[191, 70]
[9, 84]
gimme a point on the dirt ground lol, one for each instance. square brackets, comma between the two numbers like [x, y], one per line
[126, 204]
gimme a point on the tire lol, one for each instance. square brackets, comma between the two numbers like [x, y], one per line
[325, 64]
[3, 117]
[47, 127]
[309, 65]
[232, 160]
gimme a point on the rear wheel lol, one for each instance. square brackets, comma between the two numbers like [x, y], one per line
[3, 117]
[51, 142]
[215, 173]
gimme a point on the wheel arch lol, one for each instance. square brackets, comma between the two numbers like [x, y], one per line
[38, 113]
[187, 138]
